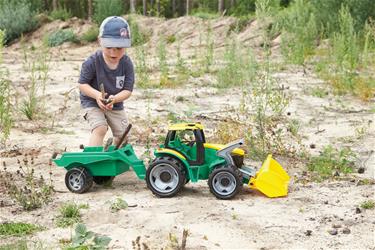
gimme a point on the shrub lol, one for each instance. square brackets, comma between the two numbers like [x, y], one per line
[16, 18]
[62, 14]
[60, 36]
[106, 8]
[90, 35]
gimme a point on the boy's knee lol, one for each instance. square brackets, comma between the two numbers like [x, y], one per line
[100, 130]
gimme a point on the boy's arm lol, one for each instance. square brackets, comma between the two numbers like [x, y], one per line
[93, 93]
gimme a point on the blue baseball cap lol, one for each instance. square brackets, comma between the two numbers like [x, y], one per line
[114, 32]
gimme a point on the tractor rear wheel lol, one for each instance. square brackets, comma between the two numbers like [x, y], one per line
[164, 177]
[225, 182]
[78, 180]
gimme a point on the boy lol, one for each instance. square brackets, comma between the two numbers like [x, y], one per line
[114, 69]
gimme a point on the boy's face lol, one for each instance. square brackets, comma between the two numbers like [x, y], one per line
[113, 55]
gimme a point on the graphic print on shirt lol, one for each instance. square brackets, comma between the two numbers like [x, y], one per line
[120, 82]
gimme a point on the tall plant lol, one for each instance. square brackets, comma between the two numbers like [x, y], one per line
[6, 120]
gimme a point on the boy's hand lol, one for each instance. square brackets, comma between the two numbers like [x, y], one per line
[110, 101]
[100, 102]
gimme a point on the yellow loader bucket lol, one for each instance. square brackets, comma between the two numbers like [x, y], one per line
[271, 179]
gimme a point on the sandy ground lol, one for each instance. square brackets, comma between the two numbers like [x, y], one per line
[302, 220]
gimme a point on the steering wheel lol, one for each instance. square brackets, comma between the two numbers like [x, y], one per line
[188, 143]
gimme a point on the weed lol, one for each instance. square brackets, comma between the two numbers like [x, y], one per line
[59, 37]
[181, 64]
[19, 245]
[162, 58]
[69, 215]
[24, 187]
[118, 205]
[300, 32]
[106, 8]
[238, 69]
[209, 57]
[141, 67]
[84, 239]
[6, 121]
[228, 131]
[170, 39]
[319, 92]
[331, 162]
[17, 229]
[173, 241]
[370, 204]
[138, 37]
[293, 127]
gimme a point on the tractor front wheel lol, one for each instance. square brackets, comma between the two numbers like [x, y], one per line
[78, 180]
[164, 177]
[225, 182]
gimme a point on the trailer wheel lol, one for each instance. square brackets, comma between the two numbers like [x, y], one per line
[225, 182]
[164, 177]
[78, 180]
[102, 180]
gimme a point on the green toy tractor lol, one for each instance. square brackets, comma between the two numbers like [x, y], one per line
[186, 156]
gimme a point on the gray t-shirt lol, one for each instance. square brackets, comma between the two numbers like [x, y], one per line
[95, 71]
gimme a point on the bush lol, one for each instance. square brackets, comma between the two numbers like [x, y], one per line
[16, 18]
[137, 36]
[61, 14]
[328, 12]
[59, 37]
[17, 229]
[90, 35]
[106, 8]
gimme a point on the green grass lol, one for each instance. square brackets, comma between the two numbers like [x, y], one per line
[59, 37]
[18, 229]
[69, 215]
[370, 204]
[331, 161]
[91, 35]
[19, 245]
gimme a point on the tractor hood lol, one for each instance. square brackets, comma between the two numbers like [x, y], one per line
[217, 147]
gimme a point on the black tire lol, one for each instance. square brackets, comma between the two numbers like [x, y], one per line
[78, 180]
[101, 180]
[165, 177]
[225, 182]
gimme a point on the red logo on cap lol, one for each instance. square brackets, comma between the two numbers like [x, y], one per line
[124, 33]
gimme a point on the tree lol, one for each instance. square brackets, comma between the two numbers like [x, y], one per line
[221, 6]
[89, 14]
[187, 7]
[54, 5]
[144, 7]
[132, 6]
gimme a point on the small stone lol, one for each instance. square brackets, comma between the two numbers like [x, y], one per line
[288, 113]
[336, 174]
[361, 170]
[312, 219]
[308, 232]
[336, 225]
[346, 231]
[332, 231]
[357, 210]
[312, 146]
[325, 202]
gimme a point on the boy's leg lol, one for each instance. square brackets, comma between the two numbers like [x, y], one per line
[117, 121]
[98, 125]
